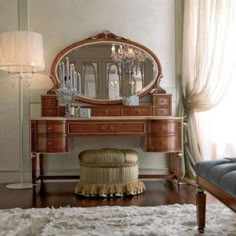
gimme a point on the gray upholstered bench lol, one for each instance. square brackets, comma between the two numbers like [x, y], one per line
[218, 177]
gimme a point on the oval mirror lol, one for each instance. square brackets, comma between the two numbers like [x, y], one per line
[110, 68]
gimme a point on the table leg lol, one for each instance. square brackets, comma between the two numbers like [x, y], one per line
[172, 162]
[179, 167]
[34, 168]
[41, 167]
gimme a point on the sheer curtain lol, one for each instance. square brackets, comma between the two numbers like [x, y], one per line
[218, 127]
[209, 34]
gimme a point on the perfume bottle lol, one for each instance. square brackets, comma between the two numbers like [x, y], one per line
[72, 110]
[76, 111]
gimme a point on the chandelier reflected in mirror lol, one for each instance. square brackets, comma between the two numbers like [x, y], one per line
[131, 58]
[130, 61]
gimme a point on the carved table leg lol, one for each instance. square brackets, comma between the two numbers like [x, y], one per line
[201, 209]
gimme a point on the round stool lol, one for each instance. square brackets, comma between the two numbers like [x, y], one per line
[108, 173]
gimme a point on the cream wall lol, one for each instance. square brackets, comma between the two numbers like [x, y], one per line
[151, 23]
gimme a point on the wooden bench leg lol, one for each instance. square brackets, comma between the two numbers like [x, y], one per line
[201, 210]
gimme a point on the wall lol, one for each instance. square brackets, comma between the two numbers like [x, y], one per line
[151, 23]
[9, 127]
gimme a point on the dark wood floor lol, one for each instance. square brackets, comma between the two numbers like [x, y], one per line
[61, 194]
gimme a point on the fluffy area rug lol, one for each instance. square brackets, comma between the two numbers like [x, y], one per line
[108, 221]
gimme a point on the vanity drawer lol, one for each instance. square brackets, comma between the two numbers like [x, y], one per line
[162, 111]
[54, 144]
[105, 111]
[116, 128]
[49, 105]
[51, 127]
[162, 127]
[49, 112]
[49, 101]
[162, 104]
[162, 99]
[49, 136]
[138, 111]
[156, 143]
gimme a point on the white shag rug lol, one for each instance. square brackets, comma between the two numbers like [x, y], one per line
[176, 220]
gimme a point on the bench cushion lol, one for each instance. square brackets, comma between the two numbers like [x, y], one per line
[220, 172]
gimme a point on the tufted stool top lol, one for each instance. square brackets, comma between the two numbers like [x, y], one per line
[220, 172]
[108, 156]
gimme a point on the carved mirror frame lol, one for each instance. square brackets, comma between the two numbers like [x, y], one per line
[107, 37]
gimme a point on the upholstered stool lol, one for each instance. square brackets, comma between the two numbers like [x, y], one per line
[108, 173]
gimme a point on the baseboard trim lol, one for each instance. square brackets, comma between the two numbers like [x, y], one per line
[8, 176]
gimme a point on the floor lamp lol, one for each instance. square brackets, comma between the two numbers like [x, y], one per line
[21, 53]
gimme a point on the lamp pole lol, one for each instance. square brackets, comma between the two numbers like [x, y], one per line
[21, 184]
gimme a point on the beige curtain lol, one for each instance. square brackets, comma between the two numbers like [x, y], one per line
[208, 61]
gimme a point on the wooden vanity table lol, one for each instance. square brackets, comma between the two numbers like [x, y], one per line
[159, 133]
[152, 121]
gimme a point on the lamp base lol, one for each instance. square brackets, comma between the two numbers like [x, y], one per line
[20, 186]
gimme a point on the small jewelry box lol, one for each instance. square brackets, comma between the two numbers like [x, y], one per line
[85, 112]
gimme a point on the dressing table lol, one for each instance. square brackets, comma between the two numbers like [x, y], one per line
[152, 120]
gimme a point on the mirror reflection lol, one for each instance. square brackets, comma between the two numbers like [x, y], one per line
[111, 70]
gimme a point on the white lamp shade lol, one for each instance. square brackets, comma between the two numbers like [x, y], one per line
[21, 51]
